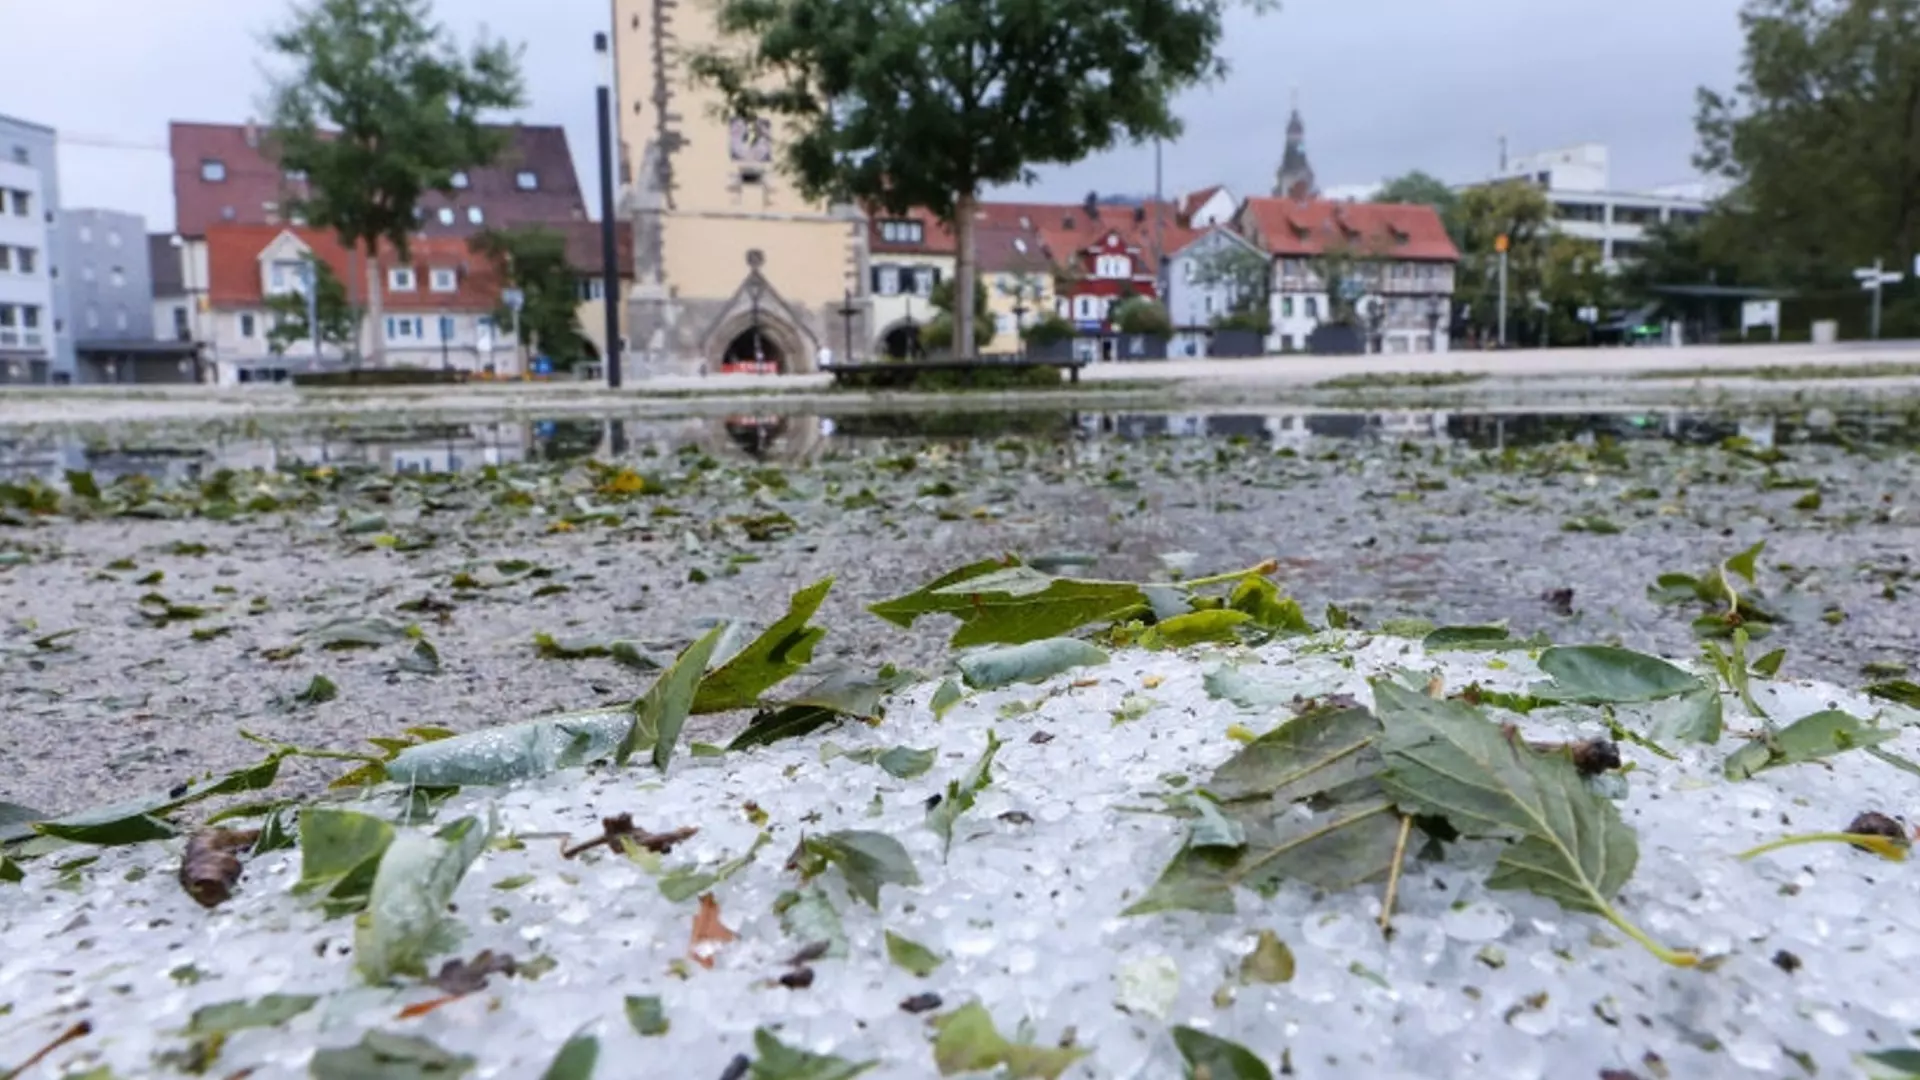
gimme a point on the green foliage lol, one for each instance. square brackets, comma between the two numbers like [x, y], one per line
[1139, 315]
[1049, 329]
[903, 104]
[377, 108]
[1244, 270]
[287, 312]
[534, 260]
[1521, 212]
[1818, 137]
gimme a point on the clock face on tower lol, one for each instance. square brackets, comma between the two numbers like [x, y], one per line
[751, 140]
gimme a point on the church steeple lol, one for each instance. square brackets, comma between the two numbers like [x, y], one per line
[1295, 177]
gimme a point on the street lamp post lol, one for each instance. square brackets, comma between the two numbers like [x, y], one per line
[847, 311]
[309, 282]
[609, 257]
[1435, 308]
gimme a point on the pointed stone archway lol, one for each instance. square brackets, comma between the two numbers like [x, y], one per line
[758, 330]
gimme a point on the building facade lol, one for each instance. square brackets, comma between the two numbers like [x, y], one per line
[1578, 181]
[1198, 294]
[36, 342]
[732, 264]
[1387, 269]
[437, 305]
[1020, 283]
[909, 254]
[105, 263]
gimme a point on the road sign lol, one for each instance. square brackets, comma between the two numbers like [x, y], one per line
[1500, 243]
[1589, 315]
[515, 299]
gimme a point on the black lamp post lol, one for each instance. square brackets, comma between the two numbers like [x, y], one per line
[609, 258]
[1376, 316]
[913, 332]
[1020, 310]
[847, 311]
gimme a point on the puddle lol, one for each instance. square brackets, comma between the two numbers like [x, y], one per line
[456, 446]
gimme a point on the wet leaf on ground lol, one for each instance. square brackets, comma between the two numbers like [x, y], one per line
[381, 1055]
[1034, 661]
[405, 920]
[867, 860]
[660, 712]
[999, 603]
[774, 1060]
[967, 1042]
[1603, 674]
[646, 1015]
[960, 794]
[768, 660]
[1810, 738]
[1216, 1058]
[912, 956]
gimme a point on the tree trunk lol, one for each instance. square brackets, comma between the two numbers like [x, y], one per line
[376, 342]
[963, 275]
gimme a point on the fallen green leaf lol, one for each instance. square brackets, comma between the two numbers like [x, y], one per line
[960, 794]
[380, 1055]
[867, 860]
[1034, 661]
[1810, 738]
[1210, 1057]
[576, 1060]
[646, 1016]
[909, 954]
[1603, 674]
[967, 1041]
[775, 1060]
[660, 712]
[770, 659]
[405, 920]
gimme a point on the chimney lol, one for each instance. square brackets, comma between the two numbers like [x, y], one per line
[253, 134]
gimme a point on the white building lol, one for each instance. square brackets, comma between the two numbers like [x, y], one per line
[1578, 181]
[1194, 303]
[1396, 265]
[30, 325]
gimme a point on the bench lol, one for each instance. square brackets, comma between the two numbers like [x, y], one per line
[903, 373]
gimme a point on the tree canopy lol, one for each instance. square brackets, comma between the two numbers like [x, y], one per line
[378, 108]
[334, 313]
[906, 103]
[534, 260]
[1821, 138]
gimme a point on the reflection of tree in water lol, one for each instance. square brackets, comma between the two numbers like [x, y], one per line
[564, 440]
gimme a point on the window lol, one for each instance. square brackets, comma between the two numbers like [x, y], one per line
[1113, 266]
[902, 232]
[6, 257]
[750, 176]
[592, 289]
[446, 328]
[446, 215]
[22, 204]
[459, 181]
[117, 278]
[1635, 215]
[443, 279]
[1628, 249]
[400, 279]
[1313, 307]
[113, 238]
[1002, 324]
[246, 323]
[405, 327]
[213, 170]
[1209, 304]
[474, 216]
[20, 155]
[30, 316]
[1286, 307]
[120, 319]
[886, 280]
[6, 315]
[1085, 308]
[526, 180]
[924, 279]
[180, 330]
[86, 234]
[295, 176]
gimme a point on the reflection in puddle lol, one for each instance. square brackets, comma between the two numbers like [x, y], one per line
[783, 438]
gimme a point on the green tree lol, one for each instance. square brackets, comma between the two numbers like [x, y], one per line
[1699, 253]
[1419, 188]
[1047, 330]
[378, 109]
[1821, 137]
[1519, 211]
[287, 312]
[938, 333]
[904, 103]
[534, 260]
[1244, 270]
[1139, 315]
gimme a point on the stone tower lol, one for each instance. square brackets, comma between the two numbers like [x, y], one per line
[731, 263]
[1295, 177]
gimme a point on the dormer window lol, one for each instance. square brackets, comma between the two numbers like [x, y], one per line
[526, 180]
[459, 181]
[446, 215]
[443, 279]
[401, 279]
[213, 170]
[1113, 266]
[474, 216]
[902, 232]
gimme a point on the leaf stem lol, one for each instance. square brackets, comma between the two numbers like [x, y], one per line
[1677, 957]
[1263, 570]
[1885, 847]
[1393, 874]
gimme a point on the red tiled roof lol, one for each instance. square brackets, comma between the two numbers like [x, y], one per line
[1009, 251]
[254, 190]
[1289, 227]
[234, 272]
[1193, 201]
[583, 246]
[1067, 230]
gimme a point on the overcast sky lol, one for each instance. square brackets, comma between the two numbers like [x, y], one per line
[1385, 86]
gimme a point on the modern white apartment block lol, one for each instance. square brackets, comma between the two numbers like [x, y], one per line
[34, 346]
[1578, 181]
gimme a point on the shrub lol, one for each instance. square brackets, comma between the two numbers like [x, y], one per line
[1048, 330]
[396, 376]
[1142, 316]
